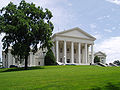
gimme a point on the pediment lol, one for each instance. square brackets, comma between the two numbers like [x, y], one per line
[100, 54]
[76, 32]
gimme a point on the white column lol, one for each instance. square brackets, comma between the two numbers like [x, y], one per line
[31, 58]
[57, 51]
[79, 52]
[54, 48]
[72, 52]
[13, 60]
[10, 59]
[92, 55]
[86, 53]
[65, 52]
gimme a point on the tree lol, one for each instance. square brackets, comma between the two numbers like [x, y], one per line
[50, 58]
[25, 26]
[117, 62]
[96, 59]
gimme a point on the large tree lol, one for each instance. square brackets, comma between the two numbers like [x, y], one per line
[25, 26]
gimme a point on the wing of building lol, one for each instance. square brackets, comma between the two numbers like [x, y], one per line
[69, 47]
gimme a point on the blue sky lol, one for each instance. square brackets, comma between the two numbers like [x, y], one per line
[100, 18]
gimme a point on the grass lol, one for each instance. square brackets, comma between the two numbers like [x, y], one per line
[62, 78]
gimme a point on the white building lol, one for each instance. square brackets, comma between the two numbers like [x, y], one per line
[36, 59]
[70, 47]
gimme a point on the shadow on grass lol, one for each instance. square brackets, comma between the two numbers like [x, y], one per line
[109, 86]
[20, 69]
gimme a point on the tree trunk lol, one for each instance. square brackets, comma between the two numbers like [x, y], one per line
[26, 61]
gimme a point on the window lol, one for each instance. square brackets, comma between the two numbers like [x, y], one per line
[68, 50]
[60, 59]
[5, 56]
[75, 51]
[38, 63]
[60, 50]
[68, 60]
[74, 60]
[16, 60]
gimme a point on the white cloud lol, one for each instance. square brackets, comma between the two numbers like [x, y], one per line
[114, 1]
[69, 4]
[107, 30]
[113, 28]
[111, 47]
[103, 17]
[4, 3]
[93, 26]
[61, 16]
[98, 36]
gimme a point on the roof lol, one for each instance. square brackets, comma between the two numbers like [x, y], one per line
[73, 29]
[99, 52]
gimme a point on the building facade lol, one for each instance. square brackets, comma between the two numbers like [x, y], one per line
[36, 59]
[69, 47]
[73, 46]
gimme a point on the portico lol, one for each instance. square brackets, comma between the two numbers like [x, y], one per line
[75, 48]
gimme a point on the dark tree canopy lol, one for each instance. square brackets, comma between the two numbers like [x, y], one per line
[96, 59]
[117, 62]
[25, 26]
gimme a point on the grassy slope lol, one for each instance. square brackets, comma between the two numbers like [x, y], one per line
[60, 77]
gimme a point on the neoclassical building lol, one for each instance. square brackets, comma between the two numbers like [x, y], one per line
[73, 46]
[69, 47]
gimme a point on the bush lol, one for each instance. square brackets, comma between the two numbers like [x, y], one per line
[117, 62]
[50, 58]
[96, 59]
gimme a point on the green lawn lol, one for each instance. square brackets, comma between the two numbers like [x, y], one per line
[61, 78]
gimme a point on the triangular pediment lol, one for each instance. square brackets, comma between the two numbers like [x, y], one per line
[76, 32]
[100, 54]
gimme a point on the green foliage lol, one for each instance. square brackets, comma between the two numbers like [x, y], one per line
[50, 58]
[96, 59]
[117, 62]
[25, 26]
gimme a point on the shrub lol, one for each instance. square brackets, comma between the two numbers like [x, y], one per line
[50, 58]
[96, 59]
[117, 62]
